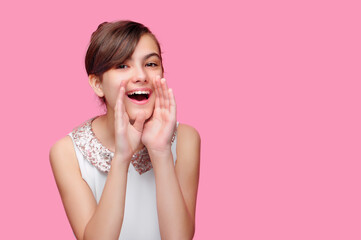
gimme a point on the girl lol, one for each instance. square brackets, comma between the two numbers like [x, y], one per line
[133, 172]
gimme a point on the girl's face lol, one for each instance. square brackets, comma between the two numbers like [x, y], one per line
[139, 71]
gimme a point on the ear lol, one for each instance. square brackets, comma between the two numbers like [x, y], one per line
[95, 83]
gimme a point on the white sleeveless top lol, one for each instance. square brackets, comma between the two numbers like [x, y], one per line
[140, 213]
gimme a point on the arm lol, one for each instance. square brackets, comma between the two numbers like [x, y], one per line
[107, 219]
[89, 220]
[176, 187]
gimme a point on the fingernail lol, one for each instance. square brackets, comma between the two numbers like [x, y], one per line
[162, 80]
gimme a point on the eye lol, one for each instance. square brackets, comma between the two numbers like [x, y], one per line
[122, 66]
[151, 65]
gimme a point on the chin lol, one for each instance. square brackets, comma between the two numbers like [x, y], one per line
[132, 113]
[134, 109]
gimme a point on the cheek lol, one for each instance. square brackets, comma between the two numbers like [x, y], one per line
[111, 99]
[110, 90]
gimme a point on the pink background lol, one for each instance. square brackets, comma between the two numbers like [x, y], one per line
[273, 87]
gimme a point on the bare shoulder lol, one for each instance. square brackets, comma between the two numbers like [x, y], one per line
[63, 161]
[62, 154]
[78, 200]
[64, 144]
[188, 164]
[187, 133]
[188, 144]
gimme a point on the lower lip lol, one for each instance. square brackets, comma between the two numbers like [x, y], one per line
[140, 102]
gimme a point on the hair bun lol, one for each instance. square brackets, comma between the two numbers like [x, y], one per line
[99, 28]
[101, 25]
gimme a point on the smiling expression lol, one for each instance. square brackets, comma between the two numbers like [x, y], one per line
[139, 71]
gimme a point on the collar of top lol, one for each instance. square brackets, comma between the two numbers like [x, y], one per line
[100, 156]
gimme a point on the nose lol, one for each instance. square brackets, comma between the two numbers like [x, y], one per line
[140, 75]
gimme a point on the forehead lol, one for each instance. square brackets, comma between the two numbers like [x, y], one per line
[146, 45]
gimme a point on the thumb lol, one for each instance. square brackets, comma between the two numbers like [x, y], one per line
[139, 121]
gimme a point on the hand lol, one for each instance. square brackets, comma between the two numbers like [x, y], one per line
[127, 136]
[158, 131]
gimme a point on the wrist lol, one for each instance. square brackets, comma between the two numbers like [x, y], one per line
[160, 155]
[120, 161]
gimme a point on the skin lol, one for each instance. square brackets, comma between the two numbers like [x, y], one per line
[124, 129]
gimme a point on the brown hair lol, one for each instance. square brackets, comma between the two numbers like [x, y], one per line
[113, 43]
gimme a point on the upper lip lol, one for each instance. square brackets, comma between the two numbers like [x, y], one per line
[139, 89]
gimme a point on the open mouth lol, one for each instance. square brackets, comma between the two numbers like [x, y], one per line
[139, 96]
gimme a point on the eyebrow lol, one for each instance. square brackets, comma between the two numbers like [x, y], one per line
[149, 55]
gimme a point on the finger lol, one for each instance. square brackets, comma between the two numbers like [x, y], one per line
[156, 92]
[172, 104]
[165, 94]
[120, 93]
[161, 96]
[124, 83]
[121, 98]
[139, 121]
[119, 107]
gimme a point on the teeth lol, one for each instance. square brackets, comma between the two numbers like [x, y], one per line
[138, 92]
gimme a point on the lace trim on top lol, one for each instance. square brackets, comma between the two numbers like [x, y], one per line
[100, 156]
